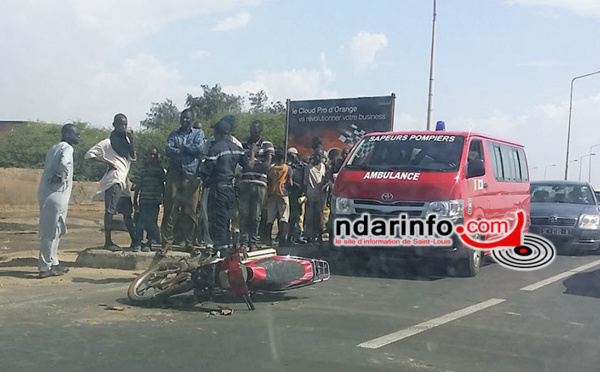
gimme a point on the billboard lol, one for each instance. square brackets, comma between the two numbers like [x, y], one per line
[338, 123]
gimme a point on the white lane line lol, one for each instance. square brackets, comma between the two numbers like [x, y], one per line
[586, 266]
[545, 282]
[558, 277]
[411, 331]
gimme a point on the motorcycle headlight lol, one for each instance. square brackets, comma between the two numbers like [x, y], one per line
[342, 205]
[589, 222]
[453, 209]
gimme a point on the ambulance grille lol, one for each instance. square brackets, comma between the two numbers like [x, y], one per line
[391, 209]
[395, 204]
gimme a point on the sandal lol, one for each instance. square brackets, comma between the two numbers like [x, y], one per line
[113, 248]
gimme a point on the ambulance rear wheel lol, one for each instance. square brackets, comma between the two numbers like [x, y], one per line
[469, 266]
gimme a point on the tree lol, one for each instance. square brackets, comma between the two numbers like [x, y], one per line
[274, 126]
[277, 108]
[258, 101]
[88, 170]
[25, 146]
[213, 101]
[161, 114]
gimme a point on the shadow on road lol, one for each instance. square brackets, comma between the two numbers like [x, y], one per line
[402, 269]
[189, 302]
[30, 262]
[585, 284]
[21, 274]
[20, 262]
[372, 265]
[24, 262]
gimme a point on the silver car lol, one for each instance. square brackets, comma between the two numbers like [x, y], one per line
[567, 214]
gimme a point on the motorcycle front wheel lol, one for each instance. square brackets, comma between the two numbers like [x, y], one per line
[160, 282]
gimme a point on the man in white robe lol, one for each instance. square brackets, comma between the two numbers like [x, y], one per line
[54, 193]
[117, 152]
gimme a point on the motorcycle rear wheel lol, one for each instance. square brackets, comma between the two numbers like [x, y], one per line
[158, 281]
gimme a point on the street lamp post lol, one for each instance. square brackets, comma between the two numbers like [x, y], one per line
[574, 161]
[590, 164]
[581, 162]
[570, 110]
[546, 169]
[431, 68]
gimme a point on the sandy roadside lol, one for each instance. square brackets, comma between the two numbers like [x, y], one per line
[19, 245]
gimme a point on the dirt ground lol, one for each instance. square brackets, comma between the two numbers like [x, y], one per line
[19, 244]
[84, 294]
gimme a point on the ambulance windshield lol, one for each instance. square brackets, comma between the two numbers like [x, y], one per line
[418, 152]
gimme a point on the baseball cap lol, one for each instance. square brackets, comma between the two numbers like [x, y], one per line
[292, 150]
[227, 119]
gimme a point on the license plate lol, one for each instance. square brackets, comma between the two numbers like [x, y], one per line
[550, 231]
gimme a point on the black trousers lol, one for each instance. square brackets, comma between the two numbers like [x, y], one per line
[220, 207]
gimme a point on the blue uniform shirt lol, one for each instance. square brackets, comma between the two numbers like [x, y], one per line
[184, 150]
[221, 161]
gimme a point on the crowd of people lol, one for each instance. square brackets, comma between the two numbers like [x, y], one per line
[212, 188]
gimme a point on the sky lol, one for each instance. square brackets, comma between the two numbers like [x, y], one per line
[502, 67]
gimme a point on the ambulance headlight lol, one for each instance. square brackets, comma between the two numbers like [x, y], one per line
[446, 208]
[342, 205]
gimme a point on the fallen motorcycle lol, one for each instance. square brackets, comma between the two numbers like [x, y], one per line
[238, 273]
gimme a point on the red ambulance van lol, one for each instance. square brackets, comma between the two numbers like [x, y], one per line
[460, 176]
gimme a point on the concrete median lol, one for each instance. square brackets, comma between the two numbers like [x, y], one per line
[100, 258]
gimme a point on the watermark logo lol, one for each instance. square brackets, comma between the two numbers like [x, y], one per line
[373, 231]
[515, 250]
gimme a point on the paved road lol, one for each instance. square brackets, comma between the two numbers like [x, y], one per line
[412, 321]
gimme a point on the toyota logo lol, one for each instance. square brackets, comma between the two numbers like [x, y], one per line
[553, 219]
[386, 196]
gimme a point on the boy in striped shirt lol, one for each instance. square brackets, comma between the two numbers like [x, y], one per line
[253, 186]
[149, 190]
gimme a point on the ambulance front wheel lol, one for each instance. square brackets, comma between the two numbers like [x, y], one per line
[469, 265]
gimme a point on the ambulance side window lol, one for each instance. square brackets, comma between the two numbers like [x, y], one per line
[523, 163]
[494, 151]
[517, 165]
[508, 164]
[475, 162]
[476, 150]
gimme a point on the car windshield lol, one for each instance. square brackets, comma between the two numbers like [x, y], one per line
[424, 153]
[572, 194]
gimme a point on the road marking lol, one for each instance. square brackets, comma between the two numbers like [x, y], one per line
[411, 331]
[558, 277]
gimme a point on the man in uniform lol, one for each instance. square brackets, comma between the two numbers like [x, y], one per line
[217, 173]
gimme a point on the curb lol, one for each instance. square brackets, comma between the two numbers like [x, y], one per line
[100, 258]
